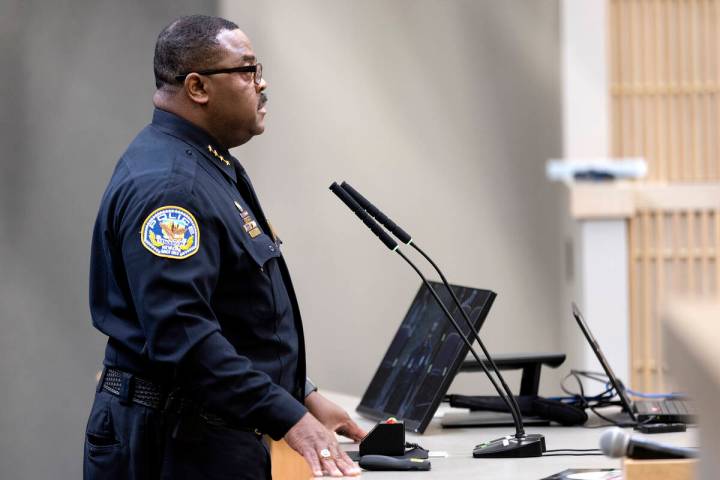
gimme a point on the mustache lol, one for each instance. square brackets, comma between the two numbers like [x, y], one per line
[263, 100]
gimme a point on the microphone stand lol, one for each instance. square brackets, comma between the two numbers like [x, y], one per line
[521, 444]
[404, 237]
[527, 443]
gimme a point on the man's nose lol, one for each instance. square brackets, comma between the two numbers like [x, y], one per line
[263, 85]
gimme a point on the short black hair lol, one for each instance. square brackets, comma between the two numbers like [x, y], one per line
[188, 43]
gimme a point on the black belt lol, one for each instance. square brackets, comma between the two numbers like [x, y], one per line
[149, 394]
[138, 390]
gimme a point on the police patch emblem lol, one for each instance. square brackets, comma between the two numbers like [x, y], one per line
[170, 232]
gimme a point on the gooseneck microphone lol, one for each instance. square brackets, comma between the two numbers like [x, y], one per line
[404, 237]
[392, 245]
[521, 445]
[615, 443]
[362, 215]
[401, 234]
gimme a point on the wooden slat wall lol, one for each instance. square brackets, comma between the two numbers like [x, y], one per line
[670, 251]
[665, 93]
[665, 86]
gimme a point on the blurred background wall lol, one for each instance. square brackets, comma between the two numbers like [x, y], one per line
[78, 85]
[443, 113]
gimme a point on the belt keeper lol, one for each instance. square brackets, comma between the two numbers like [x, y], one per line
[126, 388]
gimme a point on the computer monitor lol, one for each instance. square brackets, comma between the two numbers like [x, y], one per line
[424, 356]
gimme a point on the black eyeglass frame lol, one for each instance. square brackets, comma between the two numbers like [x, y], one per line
[255, 69]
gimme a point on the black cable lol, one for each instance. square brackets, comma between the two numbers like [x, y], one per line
[582, 389]
[580, 399]
[608, 403]
[594, 403]
[597, 376]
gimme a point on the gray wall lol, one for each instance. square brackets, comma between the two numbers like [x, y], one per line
[77, 86]
[442, 112]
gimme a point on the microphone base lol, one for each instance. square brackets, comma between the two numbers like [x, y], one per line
[531, 445]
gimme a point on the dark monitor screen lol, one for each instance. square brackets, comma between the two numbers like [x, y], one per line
[424, 356]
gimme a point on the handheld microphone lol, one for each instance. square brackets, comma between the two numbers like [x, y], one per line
[615, 443]
[521, 445]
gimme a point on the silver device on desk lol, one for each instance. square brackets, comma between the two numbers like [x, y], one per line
[661, 411]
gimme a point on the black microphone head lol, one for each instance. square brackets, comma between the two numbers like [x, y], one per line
[614, 442]
[348, 200]
[334, 186]
[358, 196]
[345, 197]
[401, 234]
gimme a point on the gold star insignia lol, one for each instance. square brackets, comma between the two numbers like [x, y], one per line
[217, 155]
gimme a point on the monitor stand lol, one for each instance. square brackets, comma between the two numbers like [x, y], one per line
[531, 365]
[484, 418]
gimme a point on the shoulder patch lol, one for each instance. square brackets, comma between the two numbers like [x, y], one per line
[171, 232]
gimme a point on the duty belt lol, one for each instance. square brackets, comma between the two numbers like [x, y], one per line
[141, 391]
[149, 394]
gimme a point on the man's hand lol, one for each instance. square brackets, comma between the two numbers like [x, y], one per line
[320, 449]
[333, 417]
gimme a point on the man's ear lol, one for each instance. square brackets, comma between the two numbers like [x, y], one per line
[196, 88]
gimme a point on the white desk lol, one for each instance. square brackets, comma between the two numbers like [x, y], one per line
[458, 443]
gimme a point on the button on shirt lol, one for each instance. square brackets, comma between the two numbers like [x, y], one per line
[188, 282]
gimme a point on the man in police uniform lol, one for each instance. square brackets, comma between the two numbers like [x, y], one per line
[205, 351]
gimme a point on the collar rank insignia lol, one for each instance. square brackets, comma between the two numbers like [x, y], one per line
[170, 232]
[218, 156]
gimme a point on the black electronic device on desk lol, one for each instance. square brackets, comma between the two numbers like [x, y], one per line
[384, 448]
[488, 411]
[422, 359]
[520, 444]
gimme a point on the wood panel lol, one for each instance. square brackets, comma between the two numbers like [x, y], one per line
[671, 252]
[665, 86]
[665, 106]
[287, 464]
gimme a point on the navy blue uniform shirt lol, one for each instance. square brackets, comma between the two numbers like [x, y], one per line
[188, 282]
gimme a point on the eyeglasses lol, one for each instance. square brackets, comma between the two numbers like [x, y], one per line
[255, 69]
